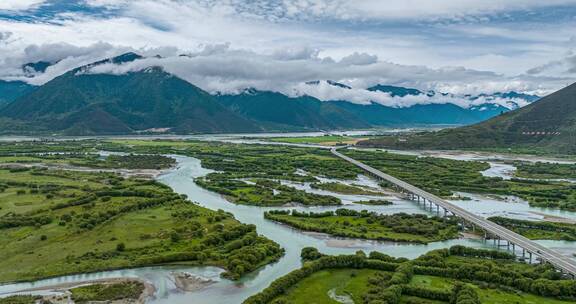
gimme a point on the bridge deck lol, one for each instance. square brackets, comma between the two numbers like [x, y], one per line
[559, 261]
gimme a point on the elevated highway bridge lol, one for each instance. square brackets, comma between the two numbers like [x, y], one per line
[527, 247]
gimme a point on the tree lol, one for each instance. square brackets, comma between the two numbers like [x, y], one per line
[310, 254]
[120, 247]
[175, 237]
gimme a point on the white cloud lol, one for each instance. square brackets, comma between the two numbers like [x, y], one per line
[351, 10]
[108, 3]
[325, 91]
[231, 70]
[268, 26]
[563, 66]
[431, 9]
[279, 44]
[223, 72]
[16, 5]
[359, 59]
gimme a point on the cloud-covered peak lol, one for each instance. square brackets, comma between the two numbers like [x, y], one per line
[455, 46]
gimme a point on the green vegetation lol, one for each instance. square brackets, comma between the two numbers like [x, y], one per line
[486, 293]
[399, 227]
[81, 154]
[247, 174]
[262, 192]
[142, 101]
[545, 170]
[343, 188]
[20, 299]
[316, 288]
[131, 290]
[250, 174]
[444, 176]
[439, 176]
[456, 275]
[538, 230]
[374, 203]
[131, 162]
[546, 125]
[55, 222]
[249, 161]
[326, 139]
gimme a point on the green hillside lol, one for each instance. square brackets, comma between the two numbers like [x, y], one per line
[82, 104]
[306, 112]
[10, 90]
[547, 125]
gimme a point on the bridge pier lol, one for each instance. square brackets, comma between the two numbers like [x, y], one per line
[523, 253]
[491, 230]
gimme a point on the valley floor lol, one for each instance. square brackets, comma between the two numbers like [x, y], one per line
[67, 208]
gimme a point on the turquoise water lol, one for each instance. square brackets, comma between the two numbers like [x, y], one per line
[224, 291]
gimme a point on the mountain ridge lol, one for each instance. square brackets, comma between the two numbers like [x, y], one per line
[82, 104]
[548, 124]
[11, 90]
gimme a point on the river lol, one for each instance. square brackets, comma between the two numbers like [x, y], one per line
[181, 180]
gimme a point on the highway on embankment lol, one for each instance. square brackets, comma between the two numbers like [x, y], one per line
[559, 261]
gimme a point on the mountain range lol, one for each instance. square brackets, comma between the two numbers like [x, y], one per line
[11, 90]
[546, 125]
[152, 100]
[79, 103]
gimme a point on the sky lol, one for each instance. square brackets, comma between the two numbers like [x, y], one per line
[453, 46]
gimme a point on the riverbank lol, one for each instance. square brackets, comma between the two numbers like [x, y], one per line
[126, 173]
[66, 293]
[181, 180]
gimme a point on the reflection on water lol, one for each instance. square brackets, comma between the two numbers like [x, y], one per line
[229, 292]
[11, 138]
[505, 171]
[508, 206]
[161, 277]
[292, 240]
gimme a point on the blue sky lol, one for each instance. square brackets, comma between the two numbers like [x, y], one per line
[457, 46]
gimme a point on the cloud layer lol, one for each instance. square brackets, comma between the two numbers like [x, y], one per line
[17, 5]
[454, 46]
[219, 69]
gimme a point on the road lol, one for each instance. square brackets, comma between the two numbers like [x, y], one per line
[559, 261]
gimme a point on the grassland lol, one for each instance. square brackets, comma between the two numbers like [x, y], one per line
[316, 289]
[487, 295]
[539, 230]
[55, 222]
[127, 162]
[343, 188]
[240, 167]
[90, 160]
[353, 283]
[250, 174]
[348, 223]
[440, 176]
[444, 177]
[374, 203]
[20, 299]
[262, 192]
[329, 140]
[131, 290]
[456, 275]
[543, 170]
